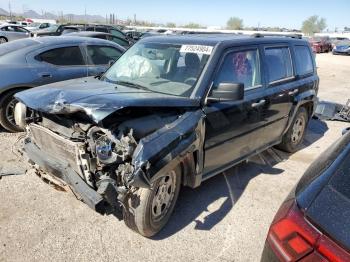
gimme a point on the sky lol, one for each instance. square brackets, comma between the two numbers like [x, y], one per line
[289, 14]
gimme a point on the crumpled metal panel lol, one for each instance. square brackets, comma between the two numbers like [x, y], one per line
[97, 99]
[182, 136]
[332, 111]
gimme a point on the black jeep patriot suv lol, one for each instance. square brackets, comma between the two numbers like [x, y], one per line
[172, 111]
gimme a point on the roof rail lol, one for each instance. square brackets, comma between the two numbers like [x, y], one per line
[297, 36]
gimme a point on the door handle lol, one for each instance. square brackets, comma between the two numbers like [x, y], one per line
[260, 103]
[294, 92]
[45, 75]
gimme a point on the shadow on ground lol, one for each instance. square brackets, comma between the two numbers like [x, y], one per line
[230, 186]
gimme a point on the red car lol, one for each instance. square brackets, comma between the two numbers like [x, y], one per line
[321, 44]
[313, 224]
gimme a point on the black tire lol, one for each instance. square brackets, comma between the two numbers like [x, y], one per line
[139, 212]
[3, 40]
[289, 142]
[7, 103]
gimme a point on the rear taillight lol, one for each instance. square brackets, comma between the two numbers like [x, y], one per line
[331, 250]
[293, 238]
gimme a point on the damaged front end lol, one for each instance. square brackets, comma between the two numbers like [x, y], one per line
[104, 165]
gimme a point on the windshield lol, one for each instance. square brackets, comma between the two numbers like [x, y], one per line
[165, 68]
[343, 43]
[34, 25]
[51, 28]
[316, 39]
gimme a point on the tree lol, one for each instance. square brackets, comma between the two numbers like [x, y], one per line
[234, 23]
[313, 24]
[171, 25]
[193, 25]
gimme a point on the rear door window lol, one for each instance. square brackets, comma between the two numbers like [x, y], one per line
[303, 60]
[102, 55]
[66, 56]
[279, 63]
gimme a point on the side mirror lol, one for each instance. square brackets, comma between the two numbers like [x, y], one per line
[228, 92]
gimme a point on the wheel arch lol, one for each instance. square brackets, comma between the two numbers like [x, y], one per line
[10, 89]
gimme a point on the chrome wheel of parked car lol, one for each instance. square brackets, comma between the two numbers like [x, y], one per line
[3, 40]
[7, 110]
[10, 111]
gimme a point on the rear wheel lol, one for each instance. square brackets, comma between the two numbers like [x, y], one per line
[296, 132]
[7, 112]
[148, 210]
[3, 40]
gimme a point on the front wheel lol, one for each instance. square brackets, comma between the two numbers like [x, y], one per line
[3, 40]
[148, 210]
[296, 132]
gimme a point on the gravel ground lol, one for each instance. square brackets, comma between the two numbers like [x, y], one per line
[226, 219]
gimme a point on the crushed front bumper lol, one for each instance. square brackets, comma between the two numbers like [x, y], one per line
[63, 171]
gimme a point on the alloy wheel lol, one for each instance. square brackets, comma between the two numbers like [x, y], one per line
[298, 130]
[164, 195]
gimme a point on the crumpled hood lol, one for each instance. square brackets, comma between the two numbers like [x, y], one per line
[96, 98]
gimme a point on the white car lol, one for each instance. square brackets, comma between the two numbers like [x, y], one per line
[38, 26]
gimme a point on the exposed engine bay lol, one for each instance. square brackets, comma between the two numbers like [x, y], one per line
[102, 157]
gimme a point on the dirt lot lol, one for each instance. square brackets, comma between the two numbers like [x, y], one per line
[226, 219]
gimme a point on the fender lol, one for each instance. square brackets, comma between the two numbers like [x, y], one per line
[166, 148]
[309, 96]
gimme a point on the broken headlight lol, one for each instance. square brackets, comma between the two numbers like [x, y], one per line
[110, 149]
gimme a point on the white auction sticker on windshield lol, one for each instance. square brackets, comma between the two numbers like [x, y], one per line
[198, 49]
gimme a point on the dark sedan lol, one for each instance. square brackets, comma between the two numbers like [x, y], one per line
[342, 48]
[33, 62]
[313, 223]
[106, 36]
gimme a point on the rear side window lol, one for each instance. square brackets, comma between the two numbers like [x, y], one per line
[66, 56]
[303, 60]
[279, 63]
[102, 55]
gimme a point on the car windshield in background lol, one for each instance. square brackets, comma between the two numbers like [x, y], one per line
[52, 28]
[16, 45]
[165, 68]
[343, 43]
[316, 39]
[34, 24]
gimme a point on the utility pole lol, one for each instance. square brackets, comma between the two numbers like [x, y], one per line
[135, 19]
[10, 11]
